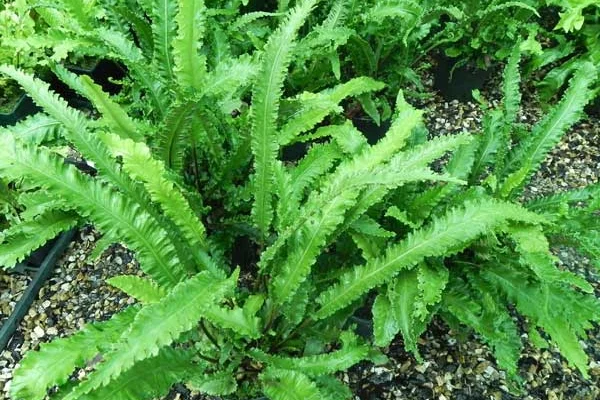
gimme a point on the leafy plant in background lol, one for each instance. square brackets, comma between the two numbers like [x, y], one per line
[574, 40]
[191, 163]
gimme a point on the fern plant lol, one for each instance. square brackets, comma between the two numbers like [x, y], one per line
[181, 180]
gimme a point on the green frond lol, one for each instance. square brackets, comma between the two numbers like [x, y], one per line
[265, 107]
[289, 385]
[229, 76]
[150, 378]
[37, 129]
[351, 140]
[217, 384]
[242, 321]
[113, 116]
[54, 363]
[403, 294]
[534, 251]
[112, 212]
[135, 61]
[385, 324]
[511, 103]
[322, 364]
[19, 240]
[39, 202]
[314, 108]
[317, 162]
[459, 167]
[444, 236]
[511, 87]
[530, 153]
[141, 289]
[156, 326]
[164, 30]
[561, 312]
[333, 389]
[171, 145]
[140, 165]
[479, 310]
[77, 130]
[190, 66]
[101, 246]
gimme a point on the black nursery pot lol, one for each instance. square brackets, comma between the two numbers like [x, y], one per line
[593, 108]
[23, 108]
[458, 83]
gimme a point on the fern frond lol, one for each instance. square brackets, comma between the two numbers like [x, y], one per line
[141, 289]
[229, 76]
[479, 310]
[534, 251]
[164, 30]
[315, 107]
[242, 321]
[39, 202]
[114, 213]
[318, 161]
[37, 129]
[139, 164]
[323, 364]
[150, 378]
[265, 107]
[403, 293]
[22, 238]
[156, 326]
[444, 236]
[530, 153]
[54, 363]
[289, 385]
[123, 49]
[76, 129]
[113, 115]
[190, 66]
[385, 323]
[217, 384]
[170, 144]
[563, 313]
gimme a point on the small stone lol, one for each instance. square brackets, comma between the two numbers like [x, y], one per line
[39, 332]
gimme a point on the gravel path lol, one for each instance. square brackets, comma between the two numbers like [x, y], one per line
[453, 367]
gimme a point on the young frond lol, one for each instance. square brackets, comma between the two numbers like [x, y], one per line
[190, 65]
[265, 107]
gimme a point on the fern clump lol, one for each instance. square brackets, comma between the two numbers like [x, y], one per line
[190, 166]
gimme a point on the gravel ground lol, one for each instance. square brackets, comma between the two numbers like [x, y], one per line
[453, 367]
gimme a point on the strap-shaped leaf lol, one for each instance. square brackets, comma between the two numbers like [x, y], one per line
[157, 325]
[38, 128]
[530, 153]
[140, 165]
[480, 310]
[289, 385]
[217, 384]
[164, 29]
[403, 293]
[385, 325]
[150, 378]
[322, 364]
[17, 242]
[141, 289]
[534, 250]
[444, 236]
[265, 108]
[55, 361]
[170, 138]
[190, 66]
[315, 107]
[113, 115]
[563, 313]
[112, 212]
